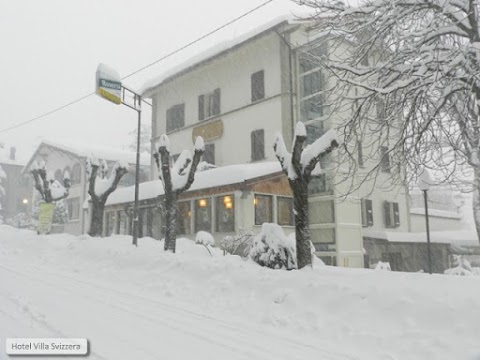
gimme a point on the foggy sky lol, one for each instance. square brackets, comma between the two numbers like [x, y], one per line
[51, 48]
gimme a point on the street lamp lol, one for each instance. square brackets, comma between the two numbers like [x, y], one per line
[424, 183]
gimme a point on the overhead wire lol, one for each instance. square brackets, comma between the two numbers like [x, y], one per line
[48, 113]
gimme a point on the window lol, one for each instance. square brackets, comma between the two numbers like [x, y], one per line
[209, 154]
[257, 139]
[392, 214]
[285, 211]
[314, 131]
[110, 223]
[225, 215]
[258, 85]
[73, 208]
[360, 153]
[209, 104]
[76, 175]
[310, 59]
[175, 117]
[69, 171]
[59, 176]
[367, 212]
[263, 209]
[385, 159]
[122, 228]
[203, 215]
[312, 83]
[311, 108]
[183, 218]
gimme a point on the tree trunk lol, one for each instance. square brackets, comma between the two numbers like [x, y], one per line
[96, 225]
[302, 231]
[171, 206]
[476, 201]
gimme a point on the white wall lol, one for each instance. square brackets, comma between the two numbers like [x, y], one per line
[231, 73]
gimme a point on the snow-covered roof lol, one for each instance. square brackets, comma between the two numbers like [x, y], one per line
[436, 212]
[226, 175]
[100, 152]
[288, 19]
[459, 237]
[5, 156]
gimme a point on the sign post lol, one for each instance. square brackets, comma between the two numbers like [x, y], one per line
[45, 218]
[109, 86]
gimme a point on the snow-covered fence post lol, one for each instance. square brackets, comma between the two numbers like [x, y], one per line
[49, 189]
[100, 187]
[176, 179]
[300, 167]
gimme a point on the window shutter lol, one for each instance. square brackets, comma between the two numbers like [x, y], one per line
[369, 208]
[201, 108]
[396, 215]
[216, 102]
[388, 218]
[363, 205]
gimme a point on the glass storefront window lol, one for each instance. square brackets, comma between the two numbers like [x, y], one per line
[225, 213]
[203, 215]
[263, 209]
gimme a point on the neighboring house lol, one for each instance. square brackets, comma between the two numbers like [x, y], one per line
[443, 209]
[239, 94]
[72, 157]
[17, 186]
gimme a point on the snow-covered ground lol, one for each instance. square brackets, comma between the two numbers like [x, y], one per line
[143, 303]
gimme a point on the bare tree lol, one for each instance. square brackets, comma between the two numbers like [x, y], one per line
[50, 189]
[301, 166]
[100, 186]
[412, 70]
[176, 179]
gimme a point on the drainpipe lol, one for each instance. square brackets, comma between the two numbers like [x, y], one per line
[290, 69]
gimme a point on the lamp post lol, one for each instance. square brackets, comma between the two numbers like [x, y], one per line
[424, 183]
[109, 86]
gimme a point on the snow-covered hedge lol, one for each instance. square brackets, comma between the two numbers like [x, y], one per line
[271, 248]
[463, 268]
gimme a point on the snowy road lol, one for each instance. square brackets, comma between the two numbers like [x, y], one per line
[143, 303]
[47, 304]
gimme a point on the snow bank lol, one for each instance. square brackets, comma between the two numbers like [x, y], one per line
[125, 298]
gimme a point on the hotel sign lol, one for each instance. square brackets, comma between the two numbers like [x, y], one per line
[109, 85]
[209, 131]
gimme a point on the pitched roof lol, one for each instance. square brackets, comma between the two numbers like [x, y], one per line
[225, 175]
[148, 87]
[84, 150]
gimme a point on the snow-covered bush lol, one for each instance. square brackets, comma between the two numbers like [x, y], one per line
[238, 244]
[463, 268]
[271, 248]
[383, 266]
[206, 239]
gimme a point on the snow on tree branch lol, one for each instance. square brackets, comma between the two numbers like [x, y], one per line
[100, 186]
[49, 188]
[176, 179]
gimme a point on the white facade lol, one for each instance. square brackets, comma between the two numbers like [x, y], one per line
[335, 223]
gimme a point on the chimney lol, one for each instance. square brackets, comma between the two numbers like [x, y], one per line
[12, 153]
